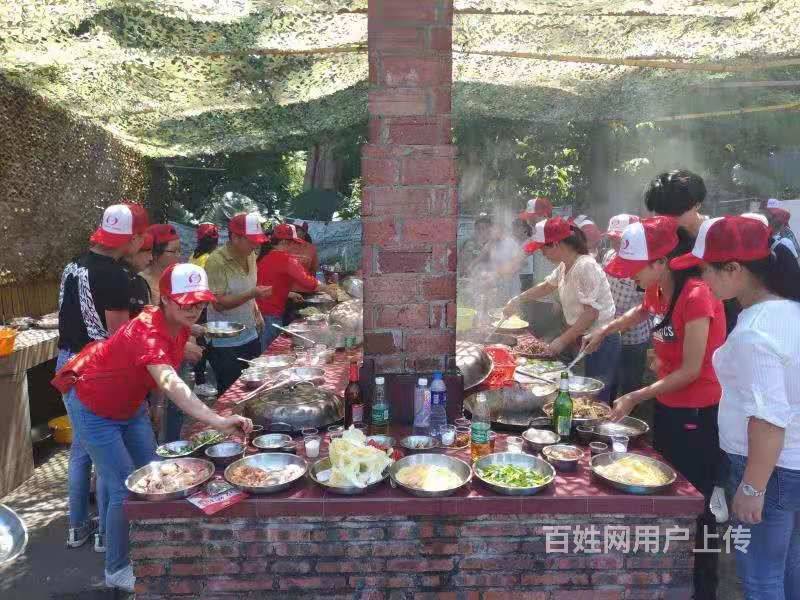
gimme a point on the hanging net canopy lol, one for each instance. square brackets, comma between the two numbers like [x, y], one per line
[189, 77]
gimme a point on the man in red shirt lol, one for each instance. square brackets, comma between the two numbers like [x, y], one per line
[280, 270]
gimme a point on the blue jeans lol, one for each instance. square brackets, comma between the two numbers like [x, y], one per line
[79, 473]
[117, 447]
[270, 333]
[602, 364]
[770, 570]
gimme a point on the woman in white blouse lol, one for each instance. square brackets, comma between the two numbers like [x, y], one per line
[759, 413]
[583, 291]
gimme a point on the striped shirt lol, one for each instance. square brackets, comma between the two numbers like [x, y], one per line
[626, 295]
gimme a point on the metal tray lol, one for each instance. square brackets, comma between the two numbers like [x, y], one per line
[272, 460]
[147, 469]
[631, 426]
[522, 460]
[13, 528]
[324, 464]
[610, 457]
[460, 468]
[223, 329]
[475, 365]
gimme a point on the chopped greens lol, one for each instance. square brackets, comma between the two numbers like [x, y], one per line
[513, 476]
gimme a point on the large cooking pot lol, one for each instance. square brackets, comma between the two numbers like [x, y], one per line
[513, 407]
[294, 407]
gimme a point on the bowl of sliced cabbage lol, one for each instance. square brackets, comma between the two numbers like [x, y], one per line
[430, 475]
[352, 467]
[633, 473]
[514, 474]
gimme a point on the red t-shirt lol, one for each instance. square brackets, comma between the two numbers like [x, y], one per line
[696, 301]
[114, 381]
[284, 273]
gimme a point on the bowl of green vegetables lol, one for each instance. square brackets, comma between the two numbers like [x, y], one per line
[514, 474]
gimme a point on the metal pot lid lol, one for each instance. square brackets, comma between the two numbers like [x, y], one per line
[300, 405]
[473, 362]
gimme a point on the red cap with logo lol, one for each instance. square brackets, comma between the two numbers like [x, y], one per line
[284, 231]
[589, 229]
[120, 223]
[537, 208]
[727, 239]
[549, 231]
[617, 224]
[775, 209]
[641, 244]
[185, 283]
[163, 233]
[207, 230]
[249, 226]
[147, 244]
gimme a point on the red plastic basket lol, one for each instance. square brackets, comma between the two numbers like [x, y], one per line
[504, 365]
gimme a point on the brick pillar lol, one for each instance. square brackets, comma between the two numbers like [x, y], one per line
[410, 211]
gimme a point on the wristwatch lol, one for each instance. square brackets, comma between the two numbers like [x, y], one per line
[749, 490]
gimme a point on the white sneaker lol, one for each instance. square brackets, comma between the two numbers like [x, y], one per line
[99, 542]
[123, 579]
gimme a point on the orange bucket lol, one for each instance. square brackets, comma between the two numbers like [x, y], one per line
[7, 337]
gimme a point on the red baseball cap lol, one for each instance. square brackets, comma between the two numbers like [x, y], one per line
[727, 239]
[548, 231]
[537, 208]
[207, 230]
[248, 225]
[185, 283]
[120, 223]
[774, 208]
[618, 223]
[641, 244]
[589, 229]
[163, 233]
[284, 231]
[147, 244]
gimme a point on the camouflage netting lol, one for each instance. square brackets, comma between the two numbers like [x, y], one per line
[57, 174]
[185, 77]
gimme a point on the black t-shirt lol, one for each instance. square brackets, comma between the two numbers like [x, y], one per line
[140, 293]
[90, 285]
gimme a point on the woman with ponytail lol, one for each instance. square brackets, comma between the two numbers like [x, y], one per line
[688, 325]
[759, 415]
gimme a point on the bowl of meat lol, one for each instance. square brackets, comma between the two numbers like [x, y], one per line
[266, 473]
[169, 479]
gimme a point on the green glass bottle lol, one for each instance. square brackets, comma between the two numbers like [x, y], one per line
[562, 408]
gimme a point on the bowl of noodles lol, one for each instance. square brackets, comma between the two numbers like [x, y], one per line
[430, 475]
[633, 473]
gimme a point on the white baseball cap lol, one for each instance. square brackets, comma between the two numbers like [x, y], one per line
[185, 283]
[618, 223]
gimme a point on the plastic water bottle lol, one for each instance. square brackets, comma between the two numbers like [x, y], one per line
[422, 408]
[438, 419]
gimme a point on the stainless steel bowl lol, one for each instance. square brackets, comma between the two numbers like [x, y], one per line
[610, 457]
[267, 461]
[178, 449]
[274, 362]
[384, 440]
[253, 378]
[534, 463]
[223, 329]
[459, 467]
[632, 427]
[13, 535]
[307, 373]
[319, 318]
[272, 442]
[204, 466]
[537, 439]
[419, 443]
[225, 453]
[566, 465]
[317, 474]
[513, 406]
[579, 386]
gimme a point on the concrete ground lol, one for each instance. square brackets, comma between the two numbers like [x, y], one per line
[50, 571]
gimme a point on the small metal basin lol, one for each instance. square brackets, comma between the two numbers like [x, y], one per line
[534, 463]
[225, 453]
[178, 449]
[267, 461]
[567, 465]
[223, 329]
[13, 535]
[272, 442]
[610, 457]
[206, 467]
[419, 443]
[274, 362]
[537, 439]
[459, 467]
[322, 467]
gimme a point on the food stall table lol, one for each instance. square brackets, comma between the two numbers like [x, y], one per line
[307, 542]
[31, 348]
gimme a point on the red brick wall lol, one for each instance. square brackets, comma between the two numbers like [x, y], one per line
[410, 211]
[415, 558]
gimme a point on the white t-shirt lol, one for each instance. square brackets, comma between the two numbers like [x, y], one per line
[759, 370]
[584, 284]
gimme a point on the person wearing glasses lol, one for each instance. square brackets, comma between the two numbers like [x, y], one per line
[108, 382]
[166, 252]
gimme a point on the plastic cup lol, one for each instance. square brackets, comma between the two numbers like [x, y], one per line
[598, 448]
[449, 435]
[514, 444]
[492, 440]
[463, 436]
[312, 444]
[462, 422]
[619, 443]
